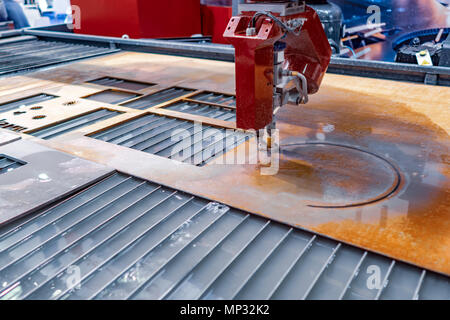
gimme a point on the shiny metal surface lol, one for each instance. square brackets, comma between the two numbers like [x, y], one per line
[129, 238]
[74, 124]
[47, 175]
[112, 96]
[121, 83]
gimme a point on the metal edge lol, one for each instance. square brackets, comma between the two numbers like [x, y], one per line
[344, 66]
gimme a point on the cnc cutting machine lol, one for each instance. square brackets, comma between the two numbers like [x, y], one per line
[281, 56]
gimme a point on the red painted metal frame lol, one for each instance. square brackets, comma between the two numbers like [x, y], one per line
[139, 18]
[308, 53]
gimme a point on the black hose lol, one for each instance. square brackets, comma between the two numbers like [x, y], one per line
[282, 25]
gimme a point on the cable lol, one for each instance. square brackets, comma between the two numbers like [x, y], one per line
[282, 25]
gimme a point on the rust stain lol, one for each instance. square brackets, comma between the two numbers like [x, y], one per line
[421, 237]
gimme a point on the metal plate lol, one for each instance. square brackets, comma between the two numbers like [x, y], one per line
[25, 102]
[48, 175]
[29, 54]
[128, 238]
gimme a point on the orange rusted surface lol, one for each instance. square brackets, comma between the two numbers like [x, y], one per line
[388, 192]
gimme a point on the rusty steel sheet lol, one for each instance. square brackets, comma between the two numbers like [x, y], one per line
[365, 162]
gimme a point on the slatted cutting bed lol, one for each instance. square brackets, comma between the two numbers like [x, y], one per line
[361, 187]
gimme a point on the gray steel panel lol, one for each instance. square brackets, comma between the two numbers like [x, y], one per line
[204, 110]
[74, 124]
[132, 239]
[157, 98]
[158, 135]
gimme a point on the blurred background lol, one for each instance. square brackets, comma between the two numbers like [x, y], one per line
[384, 30]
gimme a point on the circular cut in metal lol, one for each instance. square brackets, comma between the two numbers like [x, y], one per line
[338, 176]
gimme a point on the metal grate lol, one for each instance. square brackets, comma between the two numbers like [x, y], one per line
[25, 102]
[121, 83]
[158, 98]
[8, 164]
[31, 54]
[73, 124]
[204, 110]
[128, 238]
[159, 135]
[213, 97]
[112, 96]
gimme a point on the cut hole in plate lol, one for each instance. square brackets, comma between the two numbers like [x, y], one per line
[70, 103]
[25, 102]
[122, 83]
[214, 97]
[158, 98]
[173, 138]
[74, 124]
[204, 110]
[112, 96]
[39, 117]
[338, 176]
[11, 126]
[36, 108]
